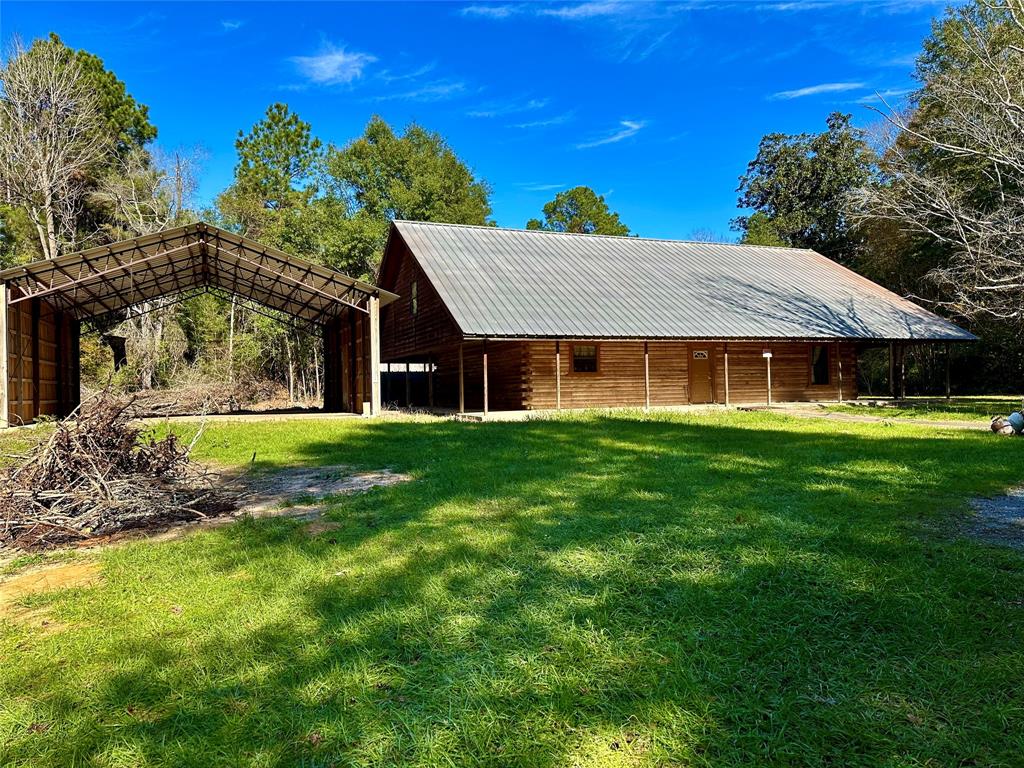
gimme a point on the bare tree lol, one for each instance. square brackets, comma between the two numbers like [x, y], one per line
[145, 193]
[955, 168]
[50, 135]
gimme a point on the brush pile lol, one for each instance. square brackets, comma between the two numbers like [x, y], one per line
[97, 475]
[208, 398]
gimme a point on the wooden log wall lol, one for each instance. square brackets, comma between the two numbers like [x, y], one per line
[407, 334]
[791, 373]
[619, 381]
[43, 370]
[505, 374]
[346, 363]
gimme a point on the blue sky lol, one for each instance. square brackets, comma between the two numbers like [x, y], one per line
[657, 106]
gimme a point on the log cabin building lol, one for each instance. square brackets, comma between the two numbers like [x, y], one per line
[503, 319]
[493, 319]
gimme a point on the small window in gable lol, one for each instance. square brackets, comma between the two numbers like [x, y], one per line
[819, 364]
[414, 294]
[584, 358]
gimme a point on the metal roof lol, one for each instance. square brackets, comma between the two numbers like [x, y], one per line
[525, 283]
[190, 258]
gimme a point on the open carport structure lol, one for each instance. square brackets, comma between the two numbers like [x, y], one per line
[43, 304]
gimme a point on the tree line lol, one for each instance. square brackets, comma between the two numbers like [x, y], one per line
[927, 202]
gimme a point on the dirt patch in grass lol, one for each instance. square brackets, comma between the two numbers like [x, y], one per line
[998, 520]
[45, 579]
[300, 493]
[318, 527]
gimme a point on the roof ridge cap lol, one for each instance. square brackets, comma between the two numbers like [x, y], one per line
[608, 237]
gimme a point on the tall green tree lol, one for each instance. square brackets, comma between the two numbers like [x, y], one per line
[799, 186]
[386, 176]
[579, 210]
[279, 161]
[127, 121]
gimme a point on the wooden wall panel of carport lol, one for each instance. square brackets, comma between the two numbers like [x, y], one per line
[39, 367]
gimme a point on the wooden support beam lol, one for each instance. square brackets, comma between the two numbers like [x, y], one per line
[4, 374]
[430, 382]
[903, 372]
[373, 305]
[647, 378]
[892, 370]
[727, 374]
[485, 378]
[462, 383]
[839, 363]
[19, 348]
[948, 391]
[408, 387]
[768, 360]
[60, 353]
[36, 309]
[558, 375]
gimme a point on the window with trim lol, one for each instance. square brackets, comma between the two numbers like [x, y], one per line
[414, 294]
[584, 358]
[819, 364]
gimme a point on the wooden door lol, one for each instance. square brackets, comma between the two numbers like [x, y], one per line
[700, 376]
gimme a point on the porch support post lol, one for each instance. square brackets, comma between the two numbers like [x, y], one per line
[903, 372]
[839, 363]
[408, 387]
[374, 307]
[768, 360]
[647, 378]
[947, 371]
[430, 381]
[558, 375]
[462, 383]
[36, 311]
[4, 373]
[485, 379]
[727, 374]
[892, 370]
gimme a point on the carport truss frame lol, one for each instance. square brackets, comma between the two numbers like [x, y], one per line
[110, 279]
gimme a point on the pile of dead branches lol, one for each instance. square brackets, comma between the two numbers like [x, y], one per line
[204, 397]
[97, 475]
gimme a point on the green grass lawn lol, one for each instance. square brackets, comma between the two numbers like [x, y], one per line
[712, 590]
[957, 409]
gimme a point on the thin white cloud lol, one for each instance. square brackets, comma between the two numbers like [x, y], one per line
[436, 91]
[230, 25]
[333, 65]
[814, 90]
[887, 95]
[491, 10]
[629, 128]
[883, 6]
[546, 122]
[390, 76]
[508, 108]
[591, 10]
[542, 187]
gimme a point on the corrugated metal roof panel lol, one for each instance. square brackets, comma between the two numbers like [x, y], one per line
[522, 283]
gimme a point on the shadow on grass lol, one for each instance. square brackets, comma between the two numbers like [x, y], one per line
[595, 591]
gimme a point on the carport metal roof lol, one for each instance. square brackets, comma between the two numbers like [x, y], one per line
[193, 257]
